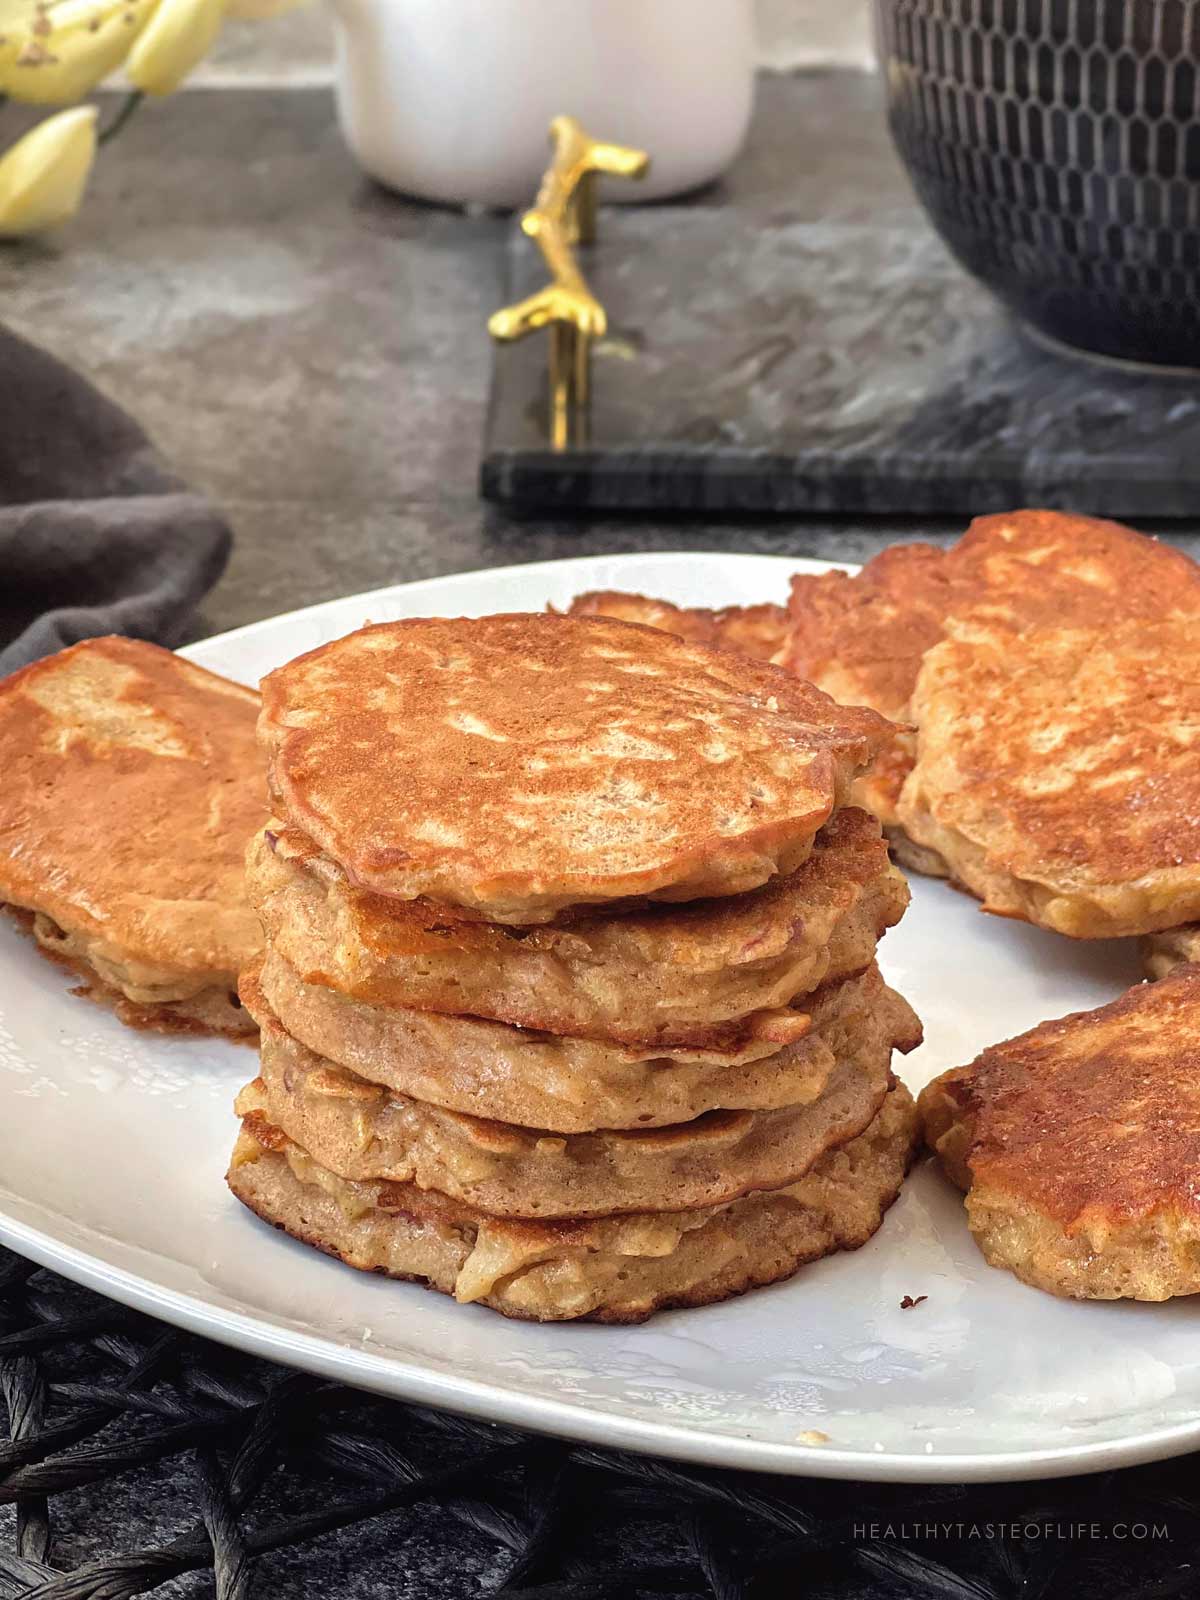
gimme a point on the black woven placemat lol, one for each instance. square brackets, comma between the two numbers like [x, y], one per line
[139, 1459]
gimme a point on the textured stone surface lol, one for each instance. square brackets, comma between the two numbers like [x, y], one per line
[810, 357]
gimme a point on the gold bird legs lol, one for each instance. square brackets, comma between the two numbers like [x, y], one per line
[564, 215]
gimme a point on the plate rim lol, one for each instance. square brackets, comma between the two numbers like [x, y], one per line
[397, 1378]
[402, 1380]
[197, 649]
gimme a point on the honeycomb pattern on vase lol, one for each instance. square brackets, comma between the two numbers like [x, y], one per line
[1056, 146]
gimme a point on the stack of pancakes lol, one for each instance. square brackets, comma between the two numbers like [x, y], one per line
[569, 1003]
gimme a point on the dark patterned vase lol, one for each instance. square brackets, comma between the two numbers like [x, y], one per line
[1056, 146]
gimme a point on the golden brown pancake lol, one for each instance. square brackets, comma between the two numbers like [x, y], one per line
[361, 1130]
[619, 1269]
[758, 631]
[862, 638]
[514, 766]
[131, 787]
[1078, 1144]
[1059, 777]
[715, 975]
[564, 1085]
[1163, 953]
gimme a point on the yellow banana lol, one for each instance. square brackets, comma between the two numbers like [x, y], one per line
[43, 176]
[177, 37]
[55, 53]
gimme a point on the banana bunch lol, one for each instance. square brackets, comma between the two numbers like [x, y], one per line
[54, 52]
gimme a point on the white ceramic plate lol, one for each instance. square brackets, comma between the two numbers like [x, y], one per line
[113, 1147]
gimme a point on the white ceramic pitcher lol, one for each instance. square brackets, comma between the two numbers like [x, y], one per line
[450, 99]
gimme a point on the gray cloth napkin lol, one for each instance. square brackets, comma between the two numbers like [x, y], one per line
[96, 536]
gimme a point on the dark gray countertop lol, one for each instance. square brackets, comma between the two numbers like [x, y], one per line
[311, 350]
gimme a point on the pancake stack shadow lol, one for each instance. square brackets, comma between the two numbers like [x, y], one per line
[569, 1003]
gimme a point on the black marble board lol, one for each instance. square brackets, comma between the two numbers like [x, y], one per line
[768, 362]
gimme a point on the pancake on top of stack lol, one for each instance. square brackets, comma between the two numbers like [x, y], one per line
[131, 786]
[1078, 1145]
[569, 1001]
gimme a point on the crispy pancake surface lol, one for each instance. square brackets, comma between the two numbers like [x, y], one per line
[862, 638]
[619, 1269]
[716, 975]
[1078, 1144]
[361, 1130]
[564, 1085]
[130, 791]
[1059, 776]
[759, 631]
[514, 766]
